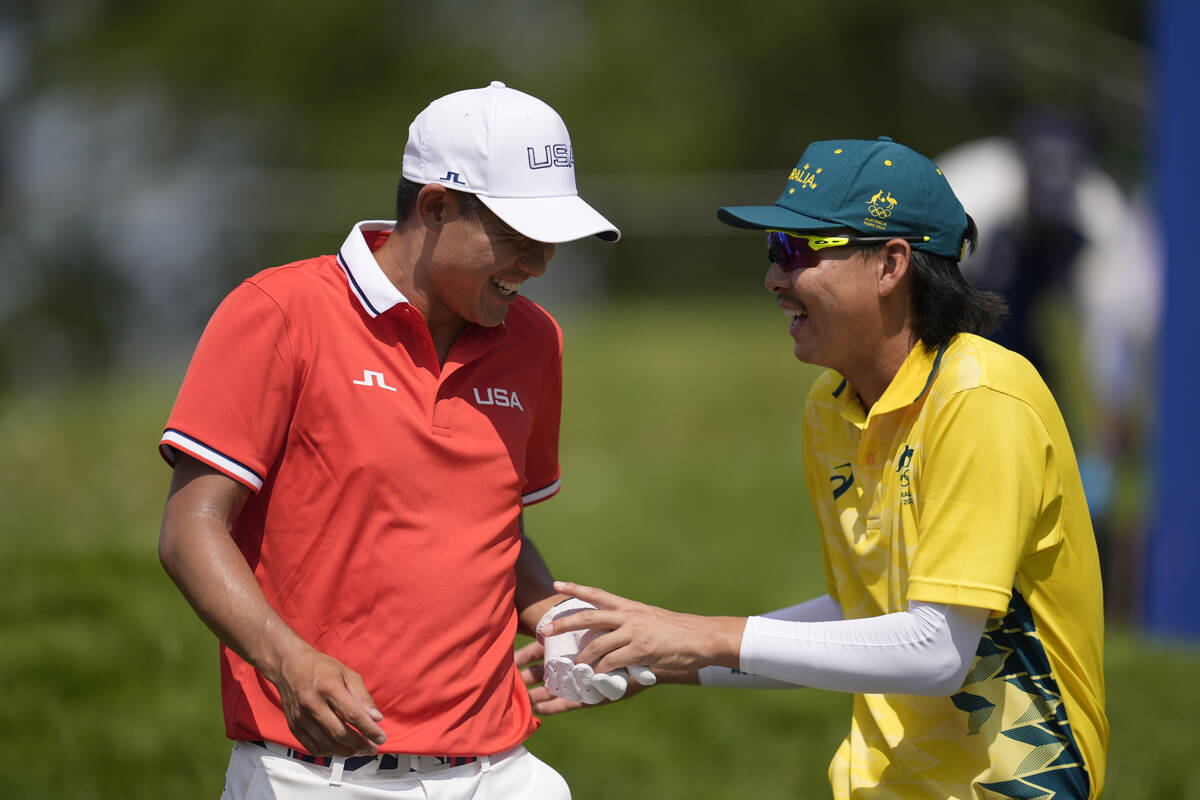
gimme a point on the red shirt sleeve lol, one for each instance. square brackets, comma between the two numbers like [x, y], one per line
[542, 469]
[235, 405]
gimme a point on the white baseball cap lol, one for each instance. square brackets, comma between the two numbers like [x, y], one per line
[513, 152]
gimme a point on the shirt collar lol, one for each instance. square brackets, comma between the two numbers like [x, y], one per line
[912, 380]
[371, 286]
[909, 385]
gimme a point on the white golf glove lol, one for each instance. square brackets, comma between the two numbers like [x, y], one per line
[578, 682]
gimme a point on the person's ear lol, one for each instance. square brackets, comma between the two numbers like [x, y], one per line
[436, 205]
[894, 266]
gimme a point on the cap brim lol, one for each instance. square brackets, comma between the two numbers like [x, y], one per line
[551, 219]
[772, 218]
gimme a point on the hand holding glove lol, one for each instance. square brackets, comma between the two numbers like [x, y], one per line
[579, 682]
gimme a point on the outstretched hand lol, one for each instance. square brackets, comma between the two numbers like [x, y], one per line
[647, 635]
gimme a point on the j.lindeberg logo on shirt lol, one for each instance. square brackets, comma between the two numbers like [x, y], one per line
[504, 398]
[373, 379]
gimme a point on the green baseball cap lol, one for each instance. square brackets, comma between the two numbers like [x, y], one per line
[878, 188]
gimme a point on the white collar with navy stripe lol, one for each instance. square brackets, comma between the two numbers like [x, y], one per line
[371, 286]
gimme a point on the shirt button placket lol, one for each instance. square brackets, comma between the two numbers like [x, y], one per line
[441, 409]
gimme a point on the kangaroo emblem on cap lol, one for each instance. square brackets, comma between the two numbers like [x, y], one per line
[875, 205]
[879, 208]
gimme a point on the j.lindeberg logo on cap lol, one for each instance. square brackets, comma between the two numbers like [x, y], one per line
[453, 178]
[552, 155]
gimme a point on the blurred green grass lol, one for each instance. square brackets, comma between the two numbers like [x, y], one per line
[680, 448]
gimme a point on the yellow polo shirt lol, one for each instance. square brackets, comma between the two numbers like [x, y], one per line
[961, 487]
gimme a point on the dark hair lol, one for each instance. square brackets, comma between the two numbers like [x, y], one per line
[942, 301]
[406, 200]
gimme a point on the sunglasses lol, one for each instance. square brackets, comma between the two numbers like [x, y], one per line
[791, 251]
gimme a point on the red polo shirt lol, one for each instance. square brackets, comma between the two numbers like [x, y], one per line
[384, 521]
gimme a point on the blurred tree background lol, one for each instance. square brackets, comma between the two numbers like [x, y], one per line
[155, 153]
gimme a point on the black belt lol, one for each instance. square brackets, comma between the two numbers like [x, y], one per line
[386, 761]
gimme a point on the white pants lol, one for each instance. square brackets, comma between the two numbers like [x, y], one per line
[258, 774]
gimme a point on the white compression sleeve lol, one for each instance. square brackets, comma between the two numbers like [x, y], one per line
[926, 650]
[818, 609]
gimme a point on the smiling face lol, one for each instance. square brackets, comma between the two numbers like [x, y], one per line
[478, 265]
[833, 308]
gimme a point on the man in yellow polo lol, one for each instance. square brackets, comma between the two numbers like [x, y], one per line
[964, 602]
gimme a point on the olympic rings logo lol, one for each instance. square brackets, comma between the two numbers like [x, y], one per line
[881, 204]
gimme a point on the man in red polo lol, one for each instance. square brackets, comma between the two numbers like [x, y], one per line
[353, 444]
